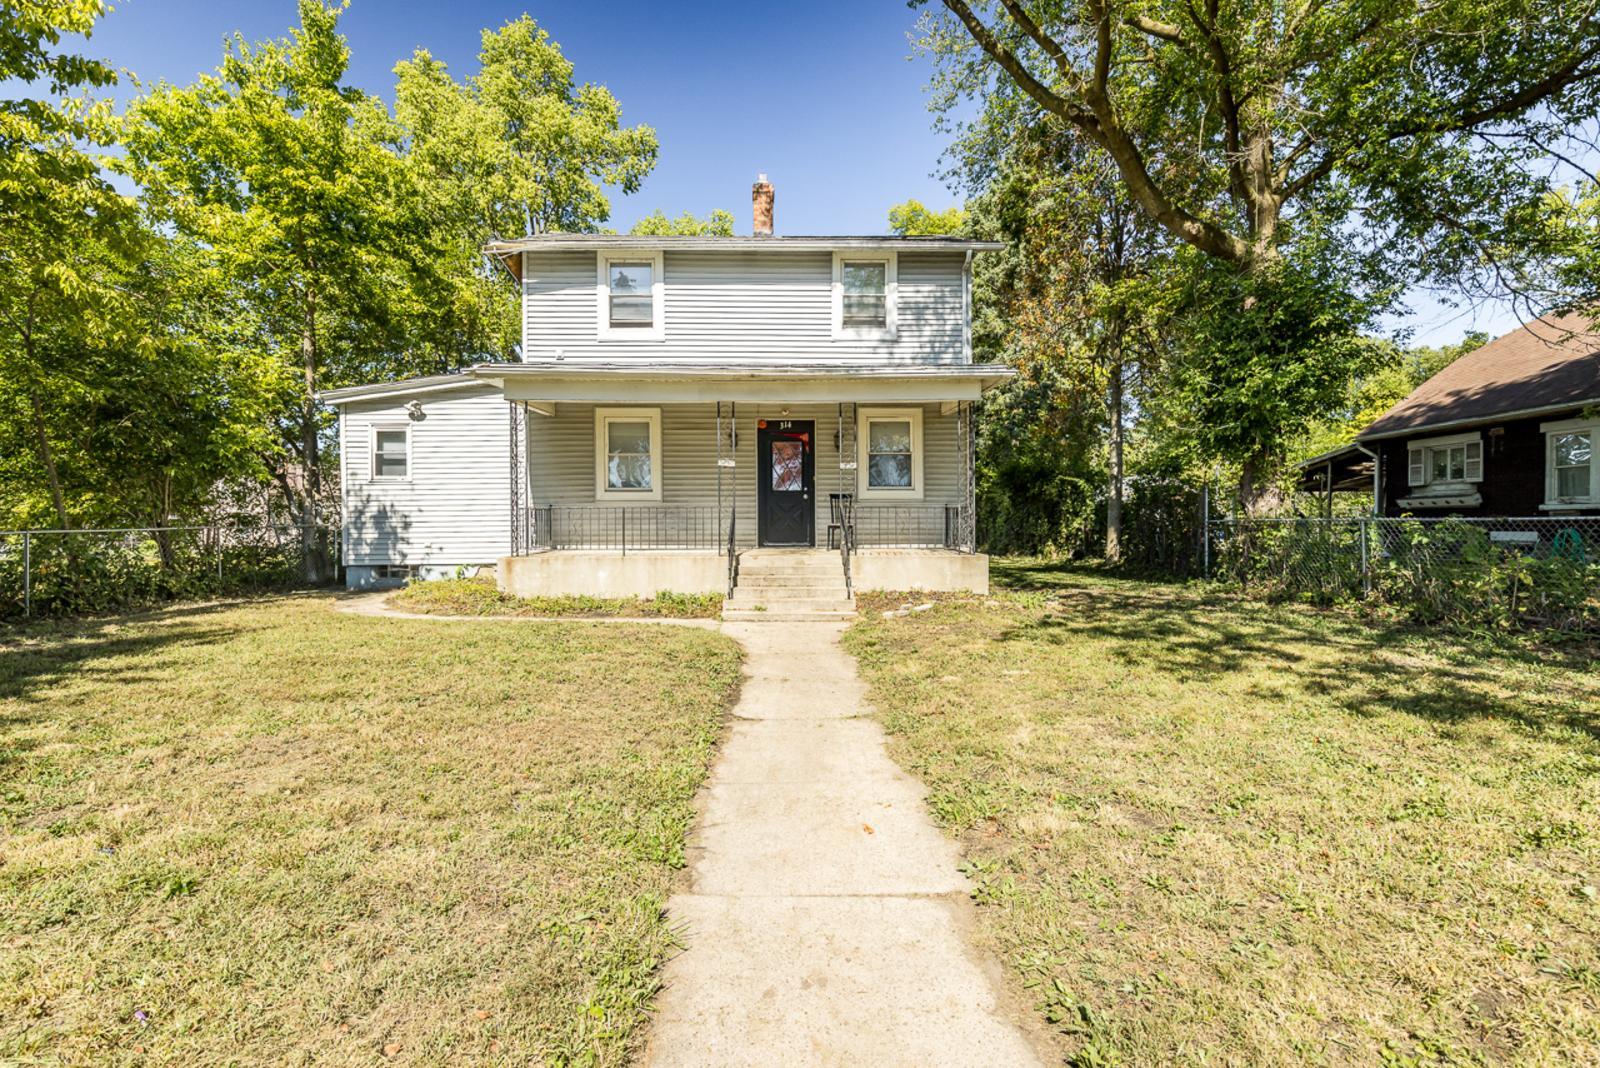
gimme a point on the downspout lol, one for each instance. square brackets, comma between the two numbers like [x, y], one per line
[1377, 479]
[966, 306]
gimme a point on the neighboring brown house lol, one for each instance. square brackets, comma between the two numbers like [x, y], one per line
[1509, 429]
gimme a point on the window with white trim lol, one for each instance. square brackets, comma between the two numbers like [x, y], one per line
[391, 453]
[1451, 460]
[865, 295]
[630, 296]
[1572, 477]
[889, 441]
[627, 446]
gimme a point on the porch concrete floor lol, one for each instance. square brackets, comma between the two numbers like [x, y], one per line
[826, 922]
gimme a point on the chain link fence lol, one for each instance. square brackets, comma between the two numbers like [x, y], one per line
[45, 573]
[1518, 571]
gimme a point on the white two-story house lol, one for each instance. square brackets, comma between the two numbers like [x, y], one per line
[695, 414]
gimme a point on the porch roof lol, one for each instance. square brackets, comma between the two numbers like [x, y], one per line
[597, 381]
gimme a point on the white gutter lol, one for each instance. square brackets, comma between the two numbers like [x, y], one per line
[404, 387]
[572, 242]
[1377, 478]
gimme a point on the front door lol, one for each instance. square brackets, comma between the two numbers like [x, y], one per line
[786, 512]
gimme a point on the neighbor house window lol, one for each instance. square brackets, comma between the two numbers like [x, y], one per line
[890, 442]
[631, 293]
[391, 452]
[864, 295]
[1441, 461]
[627, 454]
[1571, 475]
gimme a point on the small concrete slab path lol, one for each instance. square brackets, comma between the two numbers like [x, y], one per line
[826, 922]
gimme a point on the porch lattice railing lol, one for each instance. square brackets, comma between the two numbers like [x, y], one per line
[644, 527]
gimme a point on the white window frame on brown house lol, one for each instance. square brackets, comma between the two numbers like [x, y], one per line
[1426, 488]
[891, 297]
[1552, 432]
[656, 330]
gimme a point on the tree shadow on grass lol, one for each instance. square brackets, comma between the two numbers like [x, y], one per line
[1191, 632]
[115, 649]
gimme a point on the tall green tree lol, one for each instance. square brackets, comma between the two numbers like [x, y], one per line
[64, 230]
[520, 147]
[517, 147]
[292, 180]
[912, 218]
[718, 224]
[1324, 156]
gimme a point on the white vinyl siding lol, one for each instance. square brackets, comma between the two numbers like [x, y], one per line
[453, 506]
[745, 306]
[562, 465]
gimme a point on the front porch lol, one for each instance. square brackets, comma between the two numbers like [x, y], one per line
[629, 479]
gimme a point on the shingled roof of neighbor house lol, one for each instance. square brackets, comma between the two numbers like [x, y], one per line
[1550, 363]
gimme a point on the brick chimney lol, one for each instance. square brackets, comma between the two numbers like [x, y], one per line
[761, 197]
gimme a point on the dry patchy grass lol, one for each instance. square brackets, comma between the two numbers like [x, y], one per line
[1209, 831]
[275, 833]
[481, 597]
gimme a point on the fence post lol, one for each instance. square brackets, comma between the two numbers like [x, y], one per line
[1366, 566]
[27, 573]
[1205, 529]
[218, 531]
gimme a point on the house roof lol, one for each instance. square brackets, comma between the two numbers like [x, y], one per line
[984, 376]
[602, 381]
[1549, 364]
[786, 243]
[399, 387]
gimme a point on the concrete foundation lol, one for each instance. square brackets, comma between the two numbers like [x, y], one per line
[920, 569]
[368, 577]
[601, 573]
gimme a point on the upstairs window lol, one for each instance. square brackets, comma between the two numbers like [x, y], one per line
[1572, 476]
[865, 293]
[631, 303]
[1437, 461]
[391, 453]
[630, 292]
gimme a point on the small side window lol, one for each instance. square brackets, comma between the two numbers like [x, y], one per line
[391, 453]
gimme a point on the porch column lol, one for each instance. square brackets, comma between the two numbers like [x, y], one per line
[967, 512]
[518, 481]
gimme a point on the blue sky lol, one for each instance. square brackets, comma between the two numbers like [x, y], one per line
[823, 96]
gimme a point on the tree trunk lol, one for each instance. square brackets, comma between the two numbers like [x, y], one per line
[47, 457]
[1114, 482]
[1251, 484]
[311, 465]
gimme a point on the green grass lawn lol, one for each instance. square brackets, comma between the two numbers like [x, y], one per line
[1204, 830]
[275, 833]
[481, 597]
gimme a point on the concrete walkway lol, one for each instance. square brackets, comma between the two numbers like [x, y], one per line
[826, 923]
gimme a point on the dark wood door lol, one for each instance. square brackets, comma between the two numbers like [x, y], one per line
[786, 473]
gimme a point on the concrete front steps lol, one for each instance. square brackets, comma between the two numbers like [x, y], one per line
[789, 584]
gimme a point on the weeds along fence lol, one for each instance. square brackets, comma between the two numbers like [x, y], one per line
[1526, 571]
[45, 573]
